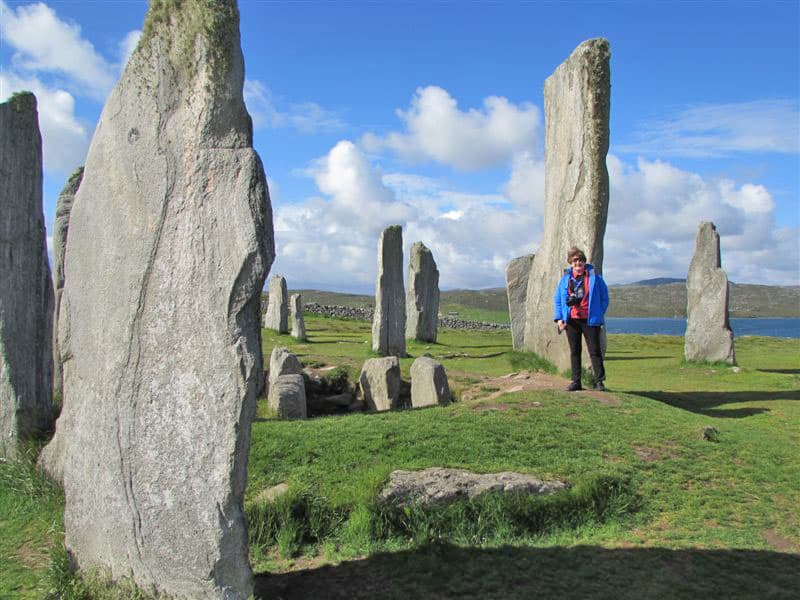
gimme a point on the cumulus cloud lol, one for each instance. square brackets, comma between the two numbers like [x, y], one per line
[305, 117]
[65, 139]
[711, 130]
[128, 45]
[44, 43]
[437, 130]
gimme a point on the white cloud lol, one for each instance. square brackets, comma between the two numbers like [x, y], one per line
[306, 117]
[45, 43]
[709, 130]
[436, 129]
[128, 45]
[65, 139]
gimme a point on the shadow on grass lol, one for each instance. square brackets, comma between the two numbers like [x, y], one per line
[781, 371]
[704, 403]
[607, 358]
[446, 571]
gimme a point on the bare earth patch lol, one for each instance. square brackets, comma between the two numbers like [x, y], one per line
[778, 542]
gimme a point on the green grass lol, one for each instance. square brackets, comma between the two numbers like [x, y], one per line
[655, 510]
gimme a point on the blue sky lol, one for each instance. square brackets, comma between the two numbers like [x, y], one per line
[431, 115]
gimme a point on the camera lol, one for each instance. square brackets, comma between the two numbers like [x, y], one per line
[575, 297]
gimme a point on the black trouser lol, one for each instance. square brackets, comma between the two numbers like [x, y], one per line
[576, 327]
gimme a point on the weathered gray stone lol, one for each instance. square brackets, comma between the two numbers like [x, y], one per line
[439, 485]
[389, 321]
[26, 290]
[422, 301]
[517, 273]
[283, 362]
[298, 323]
[170, 240]
[429, 385]
[277, 315]
[576, 100]
[379, 383]
[60, 229]
[708, 331]
[287, 396]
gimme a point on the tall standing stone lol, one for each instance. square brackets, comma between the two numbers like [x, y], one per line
[298, 322]
[577, 104]
[518, 272]
[277, 315]
[60, 229]
[422, 302]
[170, 241]
[389, 320]
[708, 331]
[26, 290]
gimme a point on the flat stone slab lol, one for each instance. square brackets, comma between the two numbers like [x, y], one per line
[443, 485]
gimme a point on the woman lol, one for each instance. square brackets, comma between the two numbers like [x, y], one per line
[581, 301]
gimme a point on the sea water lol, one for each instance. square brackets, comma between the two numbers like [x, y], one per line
[777, 327]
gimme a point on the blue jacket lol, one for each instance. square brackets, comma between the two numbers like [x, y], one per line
[598, 298]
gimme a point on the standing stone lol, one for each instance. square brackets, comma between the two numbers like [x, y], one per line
[26, 290]
[422, 302]
[287, 396]
[517, 273]
[277, 315]
[283, 362]
[379, 382]
[298, 323]
[389, 320]
[429, 385]
[577, 104]
[708, 331]
[60, 229]
[170, 241]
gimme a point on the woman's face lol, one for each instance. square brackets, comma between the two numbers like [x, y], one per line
[578, 266]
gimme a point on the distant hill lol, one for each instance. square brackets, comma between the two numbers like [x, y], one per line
[656, 281]
[641, 299]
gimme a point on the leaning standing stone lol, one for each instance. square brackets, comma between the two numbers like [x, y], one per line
[429, 385]
[389, 321]
[26, 290]
[380, 383]
[422, 302]
[517, 273]
[170, 240]
[287, 397]
[298, 323]
[277, 315]
[708, 331]
[576, 105]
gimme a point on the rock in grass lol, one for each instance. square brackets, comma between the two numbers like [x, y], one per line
[576, 104]
[440, 485]
[277, 315]
[298, 323]
[283, 362]
[708, 331]
[422, 301]
[170, 240]
[287, 396]
[26, 290]
[429, 385]
[389, 320]
[517, 273]
[379, 383]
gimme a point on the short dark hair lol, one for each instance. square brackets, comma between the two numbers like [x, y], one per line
[573, 252]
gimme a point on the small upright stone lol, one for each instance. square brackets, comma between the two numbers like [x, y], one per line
[287, 396]
[283, 362]
[26, 290]
[429, 385]
[389, 320]
[517, 273]
[298, 323]
[422, 302]
[379, 383]
[577, 102]
[277, 315]
[708, 331]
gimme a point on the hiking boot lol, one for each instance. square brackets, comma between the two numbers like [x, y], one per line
[575, 386]
[599, 386]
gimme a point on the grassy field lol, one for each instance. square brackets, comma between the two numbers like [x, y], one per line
[656, 510]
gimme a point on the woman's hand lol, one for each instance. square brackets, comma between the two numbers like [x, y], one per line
[561, 325]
